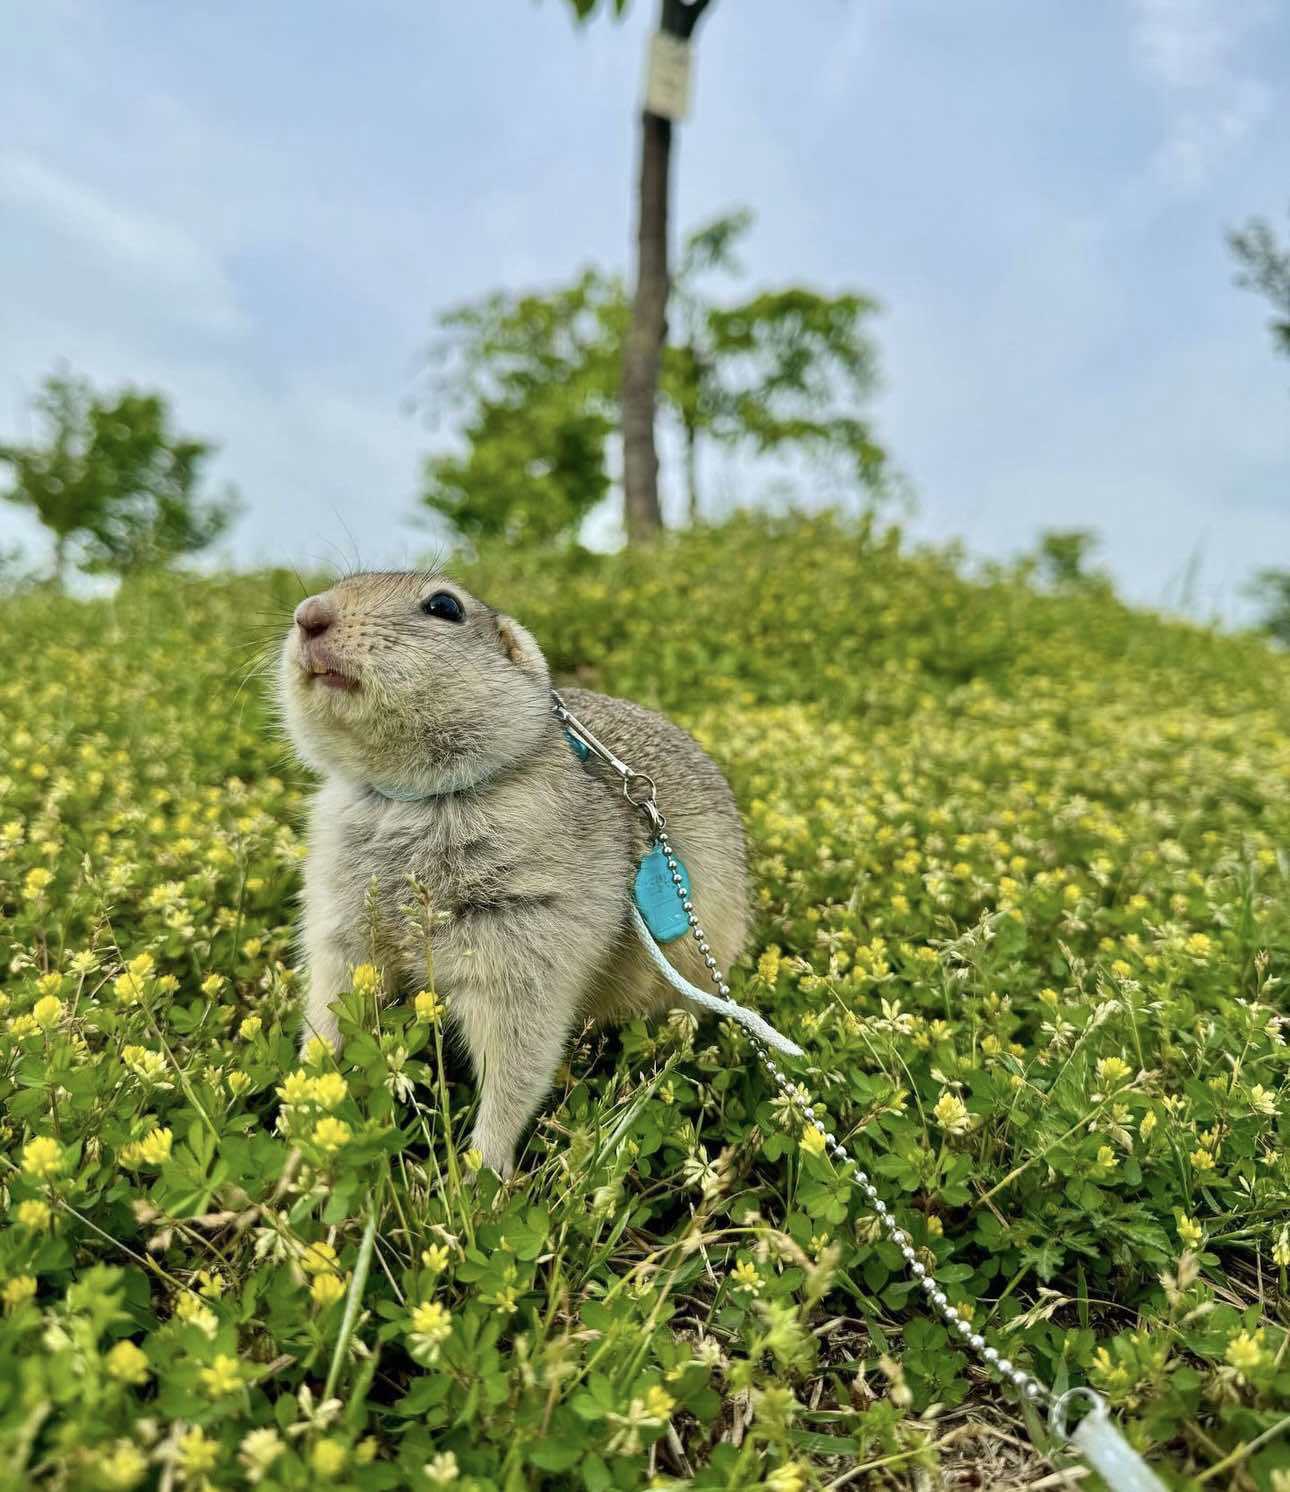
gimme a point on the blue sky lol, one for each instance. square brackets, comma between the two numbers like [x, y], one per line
[261, 208]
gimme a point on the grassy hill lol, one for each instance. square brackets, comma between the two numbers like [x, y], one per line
[1020, 871]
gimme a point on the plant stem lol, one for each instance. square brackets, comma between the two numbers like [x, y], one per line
[353, 1300]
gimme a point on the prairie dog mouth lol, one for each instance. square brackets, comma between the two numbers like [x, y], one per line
[332, 679]
[320, 667]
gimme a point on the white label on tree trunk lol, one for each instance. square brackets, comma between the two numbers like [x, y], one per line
[667, 77]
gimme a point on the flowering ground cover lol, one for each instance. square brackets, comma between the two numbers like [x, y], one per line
[1020, 874]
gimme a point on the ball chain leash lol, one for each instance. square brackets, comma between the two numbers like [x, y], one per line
[1097, 1438]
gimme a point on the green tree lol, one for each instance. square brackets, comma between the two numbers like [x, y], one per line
[1270, 591]
[784, 369]
[689, 377]
[1063, 556]
[643, 346]
[535, 375]
[114, 485]
[1265, 268]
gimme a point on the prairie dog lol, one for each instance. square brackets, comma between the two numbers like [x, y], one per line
[428, 716]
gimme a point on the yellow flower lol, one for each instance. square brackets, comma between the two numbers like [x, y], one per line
[319, 1258]
[1202, 1159]
[504, 1299]
[250, 1027]
[745, 1276]
[127, 989]
[1281, 1248]
[1245, 1351]
[1262, 1101]
[258, 1451]
[1111, 1375]
[33, 1215]
[152, 1150]
[127, 1364]
[196, 1454]
[787, 1478]
[1190, 1232]
[366, 980]
[659, 1402]
[42, 1157]
[23, 1025]
[331, 1134]
[237, 1081]
[1107, 1160]
[428, 1007]
[296, 1087]
[329, 1090]
[192, 1311]
[327, 1289]
[812, 1140]
[142, 966]
[123, 1467]
[47, 1012]
[210, 1283]
[950, 1112]
[328, 1458]
[155, 1146]
[143, 1063]
[212, 985]
[224, 1376]
[18, 1291]
[431, 1321]
[1199, 945]
[38, 879]
[435, 1258]
[768, 965]
[1113, 1070]
[1148, 1124]
[316, 1052]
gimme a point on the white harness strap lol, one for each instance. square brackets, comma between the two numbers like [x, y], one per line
[748, 1019]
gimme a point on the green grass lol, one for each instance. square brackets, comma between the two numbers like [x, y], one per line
[1020, 872]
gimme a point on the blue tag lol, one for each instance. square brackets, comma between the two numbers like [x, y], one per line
[656, 897]
[579, 748]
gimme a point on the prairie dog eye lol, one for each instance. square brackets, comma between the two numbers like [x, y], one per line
[445, 606]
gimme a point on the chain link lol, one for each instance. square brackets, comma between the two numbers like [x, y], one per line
[1026, 1384]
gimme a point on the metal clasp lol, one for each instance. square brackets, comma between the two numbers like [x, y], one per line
[638, 787]
[1057, 1410]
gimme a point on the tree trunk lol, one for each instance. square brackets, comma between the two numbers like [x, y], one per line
[692, 470]
[645, 338]
[60, 561]
[644, 345]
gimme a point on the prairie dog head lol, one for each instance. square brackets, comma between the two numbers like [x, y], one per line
[408, 683]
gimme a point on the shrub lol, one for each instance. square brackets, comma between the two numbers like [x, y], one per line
[1020, 888]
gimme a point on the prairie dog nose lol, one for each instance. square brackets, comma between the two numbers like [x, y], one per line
[314, 615]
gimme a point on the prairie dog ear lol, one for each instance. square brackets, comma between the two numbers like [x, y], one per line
[520, 646]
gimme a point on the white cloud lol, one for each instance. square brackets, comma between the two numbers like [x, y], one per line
[1197, 54]
[145, 249]
[1201, 138]
[1186, 43]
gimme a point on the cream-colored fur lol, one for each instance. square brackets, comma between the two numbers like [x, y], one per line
[522, 855]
